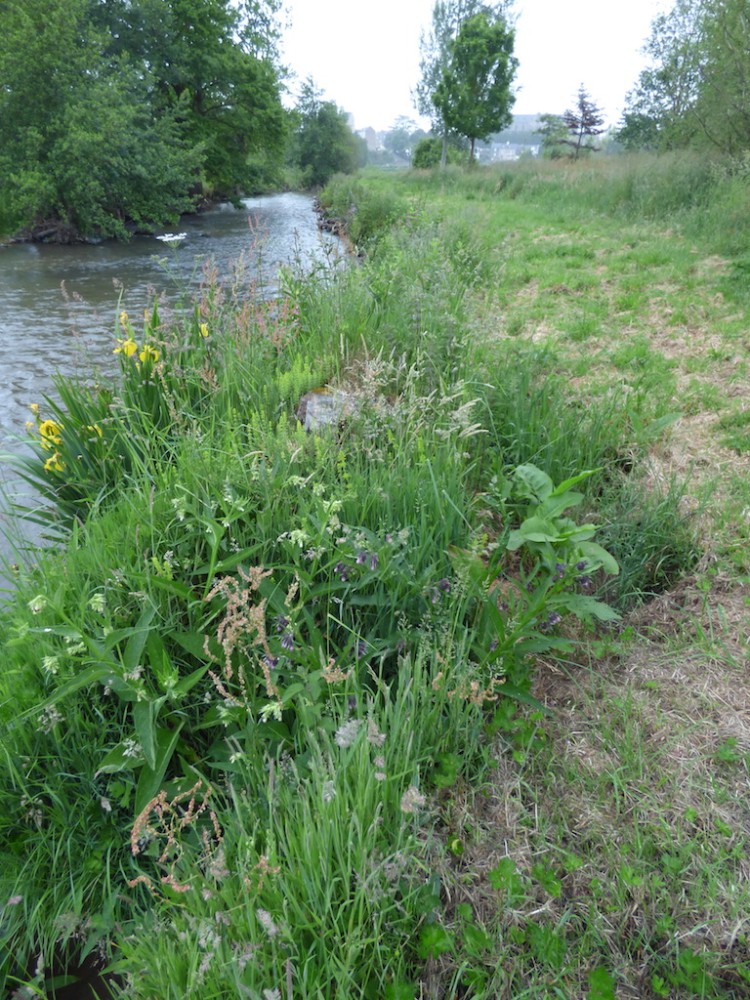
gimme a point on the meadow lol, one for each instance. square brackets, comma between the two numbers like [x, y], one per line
[446, 699]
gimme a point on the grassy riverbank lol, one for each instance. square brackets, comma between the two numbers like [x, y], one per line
[447, 700]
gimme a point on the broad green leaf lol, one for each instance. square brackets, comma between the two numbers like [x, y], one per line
[132, 655]
[152, 777]
[537, 483]
[476, 939]
[434, 940]
[599, 557]
[291, 691]
[542, 644]
[120, 758]
[187, 683]
[469, 565]
[192, 642]
[555, 505]
[92, 675]
[533, 529]
[587, 608]
[144, 719]
[601, 985]
[566, 484]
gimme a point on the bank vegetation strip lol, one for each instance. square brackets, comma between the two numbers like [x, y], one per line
[446, 699]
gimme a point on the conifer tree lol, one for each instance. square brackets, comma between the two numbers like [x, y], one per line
[585, 121]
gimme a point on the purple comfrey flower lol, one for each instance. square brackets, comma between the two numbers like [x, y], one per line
[342, 570]
[361, 648]
[584, 582]
[493, 645]
[271, 661]
[287, 641]
[281, 623]
[361, 557]
[560, 570]
[553, 618]
[444, 585]
[374, 561]
[581, 565]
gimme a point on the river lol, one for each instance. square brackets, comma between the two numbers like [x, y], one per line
[59, 304]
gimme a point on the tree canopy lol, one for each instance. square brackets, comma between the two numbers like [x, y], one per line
[695, 90]
[438, 86]
[322, 142]
[120, 113]
[474, 93]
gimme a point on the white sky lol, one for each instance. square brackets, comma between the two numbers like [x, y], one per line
[364, 54]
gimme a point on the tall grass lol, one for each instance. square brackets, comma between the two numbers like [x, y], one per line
[250, 627]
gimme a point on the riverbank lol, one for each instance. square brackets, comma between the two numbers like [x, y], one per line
[415, 705]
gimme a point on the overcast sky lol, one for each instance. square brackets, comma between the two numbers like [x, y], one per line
[365, 53]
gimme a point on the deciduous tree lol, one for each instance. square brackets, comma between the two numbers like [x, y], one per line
[436, 46]
[81, 151]
[659, 109]
[554, 135]
[323, 144]
[474, 94]
[120, 112]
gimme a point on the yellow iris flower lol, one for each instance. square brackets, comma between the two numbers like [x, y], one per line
[127, 347]
[54, 463]
[203, 329]
[149, 353]
[50, 432]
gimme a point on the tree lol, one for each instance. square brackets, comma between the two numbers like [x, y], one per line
[696, 92]
[323, 144]
[584, 121]
[660, 109]
[436, 48]
[428, 153]
[474, 95]
[212, 63]
[722, 106]
[554, 134]
[81, 151]
[400, 138]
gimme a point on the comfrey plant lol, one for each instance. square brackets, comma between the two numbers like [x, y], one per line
[523, 589]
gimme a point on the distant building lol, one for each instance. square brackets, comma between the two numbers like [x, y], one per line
[373, 139]
[495, 152]
[519, 139]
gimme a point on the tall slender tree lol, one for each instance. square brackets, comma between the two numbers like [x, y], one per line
[474, 94]
[436, 46]
[322, 143]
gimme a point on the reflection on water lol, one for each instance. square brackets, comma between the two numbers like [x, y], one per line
[59, 305]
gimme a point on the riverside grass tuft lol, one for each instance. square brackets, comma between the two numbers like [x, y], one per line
[412, 707]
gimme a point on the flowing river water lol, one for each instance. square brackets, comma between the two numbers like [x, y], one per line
[59, 304]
